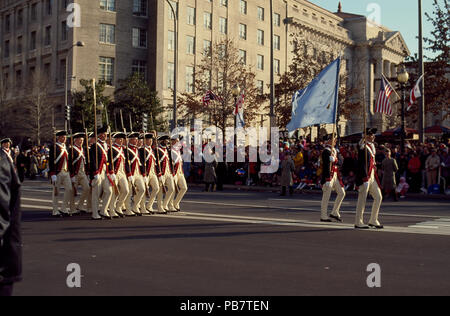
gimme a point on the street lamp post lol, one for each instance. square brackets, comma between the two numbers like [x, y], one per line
[78, 44]
[175, 18]
[403, 78]
[235, 91]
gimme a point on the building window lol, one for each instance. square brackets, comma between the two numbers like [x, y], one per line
[207, 20]
[260, 62]
[260, 13]
[243, 57]
[33, 14]
[190, 45]
[171, 40]
[64, 4]
[19, 45]
[139, 38]
[223, 25]
[48, 7]
[47, 70]
[175, 8]
[243, 31]
[276, 19]
[276, 66]
[108, 5]
[191, 16]
[7, 23]
[260, 37]
[224, 3]
[170, 76]
[18, 78]
[243, 7]
[276, 42]
[48, 36]
[64, 31]
[206, 47]
[62, 71]
[189, 79]
[107, 33]
[6, 52]
[20, 18]
[140, 7]
[33, 40]
[140, 67]
[106, 66]
[260, 87]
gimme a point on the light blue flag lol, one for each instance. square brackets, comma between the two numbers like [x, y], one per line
[317, 103]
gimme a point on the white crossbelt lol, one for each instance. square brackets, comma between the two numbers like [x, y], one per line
[8, 154]
[80, 155]
[63, 151]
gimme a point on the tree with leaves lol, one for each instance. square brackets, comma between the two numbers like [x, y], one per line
[219, 71]
[134, 97]
[83, 104]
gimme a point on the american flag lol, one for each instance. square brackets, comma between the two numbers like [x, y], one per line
[210, 96]
[384, 104]
[239, 103]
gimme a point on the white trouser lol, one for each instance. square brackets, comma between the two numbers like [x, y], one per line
[80, 180]
[167, 182]
[181, 185]
[139, 186]
[124, 190]
[327, 188]
[63, 180]
[372, 187]
[99, 186]
[154, 184]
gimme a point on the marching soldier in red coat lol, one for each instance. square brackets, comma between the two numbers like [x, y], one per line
[178, 174]
[367, 181]
[120, 171]
[101, 175]
[79, 172]
[165, 176]
[59, 173]
[331, 180]
[150, 170]
[135, 176]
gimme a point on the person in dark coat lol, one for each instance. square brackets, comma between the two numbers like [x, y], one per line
[21, 165]
[10, 239]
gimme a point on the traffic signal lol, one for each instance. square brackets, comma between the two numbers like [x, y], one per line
[67, 114]
[144, 122]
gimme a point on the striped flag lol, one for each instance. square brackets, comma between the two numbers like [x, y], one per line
[415, 93]
[383, 103]
[211, 96]
[239, 103]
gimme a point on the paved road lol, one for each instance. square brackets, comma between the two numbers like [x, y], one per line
[237, 243]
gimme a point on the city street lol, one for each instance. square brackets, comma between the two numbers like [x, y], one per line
[236, 243]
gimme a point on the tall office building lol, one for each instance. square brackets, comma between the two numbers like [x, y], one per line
[125, 36]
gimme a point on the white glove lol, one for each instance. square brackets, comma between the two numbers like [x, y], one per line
[54, 178]
[146, 179]
[131, 179]
[113, 177]
[73, 180]
[332, 159]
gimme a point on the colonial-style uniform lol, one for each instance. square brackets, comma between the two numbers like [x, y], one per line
[367, 181]
[331, 180]
[121, 181]
[79, 175]
[60, 176]
[101, 181]
[165, 176]
[179, 180]
[135, 178]
[151, 172]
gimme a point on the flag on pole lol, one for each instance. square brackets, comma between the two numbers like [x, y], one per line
[415, 93]
[317, 103]
[239, 111]
[210, 96]
[383, 103]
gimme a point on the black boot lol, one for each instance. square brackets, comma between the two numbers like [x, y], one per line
[283, 191]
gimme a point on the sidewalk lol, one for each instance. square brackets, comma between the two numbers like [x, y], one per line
[277, 189]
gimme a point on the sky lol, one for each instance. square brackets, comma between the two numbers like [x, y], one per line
[397, 15]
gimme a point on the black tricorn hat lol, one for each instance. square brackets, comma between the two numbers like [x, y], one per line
[119, 135]
[78, 135]
[102, 130]
[61, 133]
[133, 135]
[6, 140]
[91, 134]
[149, 136]
[163, 137]
[371, 131]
